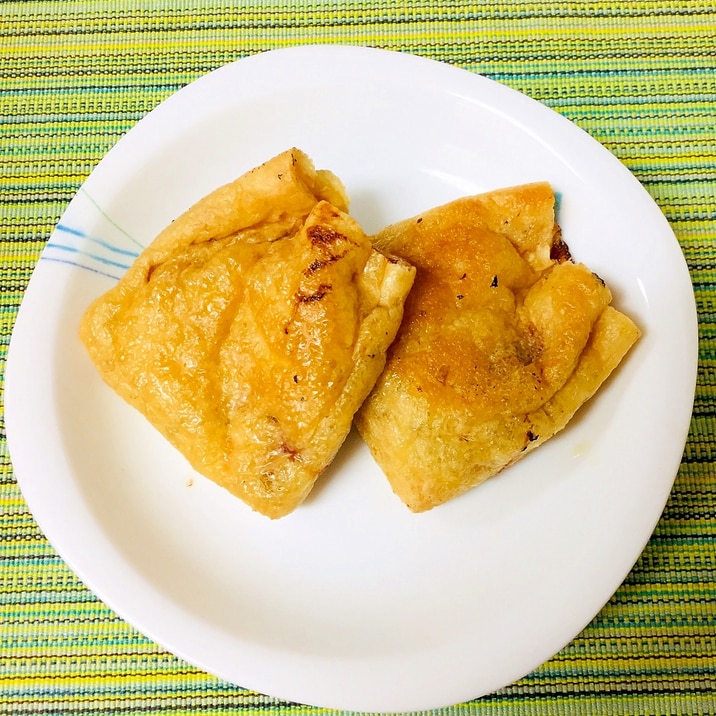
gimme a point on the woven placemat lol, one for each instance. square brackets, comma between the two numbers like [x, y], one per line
[640, 77]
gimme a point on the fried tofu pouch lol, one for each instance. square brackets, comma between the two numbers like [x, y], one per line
[252, 328]
[504, 338]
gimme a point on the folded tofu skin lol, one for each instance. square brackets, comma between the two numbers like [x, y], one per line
[504, 338]
[252, 328]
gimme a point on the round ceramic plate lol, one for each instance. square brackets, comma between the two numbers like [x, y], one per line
[353, 602]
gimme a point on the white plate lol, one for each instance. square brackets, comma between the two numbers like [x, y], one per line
[352, 602]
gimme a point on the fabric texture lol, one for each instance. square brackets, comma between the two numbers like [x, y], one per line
[639, 77]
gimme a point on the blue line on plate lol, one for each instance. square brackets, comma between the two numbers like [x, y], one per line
[104, 244]
[101, 259]
[82, 266]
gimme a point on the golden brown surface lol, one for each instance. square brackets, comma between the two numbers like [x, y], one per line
[251, 330]
[503, 339]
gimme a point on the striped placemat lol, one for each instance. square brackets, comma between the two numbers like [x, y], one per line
[640, 77]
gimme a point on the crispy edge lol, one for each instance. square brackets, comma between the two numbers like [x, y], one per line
[385, 282]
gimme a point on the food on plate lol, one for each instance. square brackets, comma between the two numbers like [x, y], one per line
[252, 328]
[504, 338]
